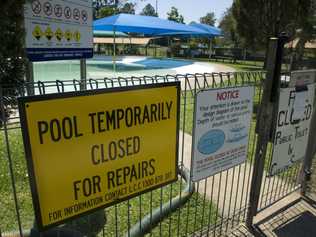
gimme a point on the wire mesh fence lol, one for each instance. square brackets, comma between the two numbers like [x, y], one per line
[210, 207]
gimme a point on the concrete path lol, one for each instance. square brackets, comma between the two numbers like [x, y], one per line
[298, 220]
[229, 189]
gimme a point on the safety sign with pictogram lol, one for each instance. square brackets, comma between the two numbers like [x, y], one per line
[68, 35]
[58, 10]
[49, 33]
[67, 12]
[37, 32]
[76, 14]
[84, 15]
[59, 34]
[48, 8]
[77, 36]
[58, 29]
[36, 7]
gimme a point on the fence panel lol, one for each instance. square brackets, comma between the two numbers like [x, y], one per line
[210, 207]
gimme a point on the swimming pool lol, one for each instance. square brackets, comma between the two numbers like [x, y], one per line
[101, 67]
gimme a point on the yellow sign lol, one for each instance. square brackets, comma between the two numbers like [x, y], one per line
[37, 32]
[49, 33]
[92, 149]
[59, 34]
[68, 35]
[77, 36]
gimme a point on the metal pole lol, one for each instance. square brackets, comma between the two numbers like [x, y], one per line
[83, 74]
[114, 52]
[310, 152]
[210, 48]
[30, 77]
[169, 47]
[130, 44]
[264, 122]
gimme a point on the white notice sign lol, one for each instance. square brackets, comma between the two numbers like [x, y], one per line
[58, 29]
[292, 127]
[221, 130]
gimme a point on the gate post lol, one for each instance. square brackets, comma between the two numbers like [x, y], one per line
[265, 121]
[29, 77]
[310, 152]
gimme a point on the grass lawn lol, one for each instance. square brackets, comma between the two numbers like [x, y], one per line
[239, 65]
[190, 216]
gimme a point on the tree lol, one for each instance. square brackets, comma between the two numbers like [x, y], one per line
[149, 10]
[105, 12]
[208, 19]
[12, 56]
[174, 15]
[307, 32]
[259, 20]
[228, 27]
[128, 8]
[102, 9]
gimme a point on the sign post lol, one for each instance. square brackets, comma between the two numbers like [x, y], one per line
[83, 74]
[264, 121]
[91, 149]
[30, 77]
[222, 121]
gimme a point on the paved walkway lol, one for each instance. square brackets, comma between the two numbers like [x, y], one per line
[298, 220]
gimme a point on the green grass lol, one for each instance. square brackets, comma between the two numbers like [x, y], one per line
[7, 206]
[239, 65]
[244, 66]
[170, 223]
[8, 222]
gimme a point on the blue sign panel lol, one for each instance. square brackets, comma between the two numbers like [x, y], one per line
[36, 55]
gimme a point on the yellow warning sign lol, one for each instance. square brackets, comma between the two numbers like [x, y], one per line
[49, 33]
[68, 35]
[77, 36]
[37, 32]
[59, 34]
[97, 148]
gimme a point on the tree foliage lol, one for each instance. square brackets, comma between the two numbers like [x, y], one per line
[105, 12]
[228, 26]
[12, 56]
[149, 10]
[12, 42]
[102, 10]
[174, 15]
[128, 8]
[259, 20]
[208, 19]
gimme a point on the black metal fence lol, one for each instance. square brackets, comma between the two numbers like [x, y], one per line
[211, 207]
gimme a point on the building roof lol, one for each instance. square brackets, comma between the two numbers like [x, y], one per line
[308, 45]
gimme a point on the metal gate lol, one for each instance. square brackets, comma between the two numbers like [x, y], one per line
[211, 207]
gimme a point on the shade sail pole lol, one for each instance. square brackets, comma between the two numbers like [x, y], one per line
[114, 51]
[210, 48]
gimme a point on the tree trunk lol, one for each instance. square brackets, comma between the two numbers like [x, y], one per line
[298, 54]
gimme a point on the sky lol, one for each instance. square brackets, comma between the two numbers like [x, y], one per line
[191, 10]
